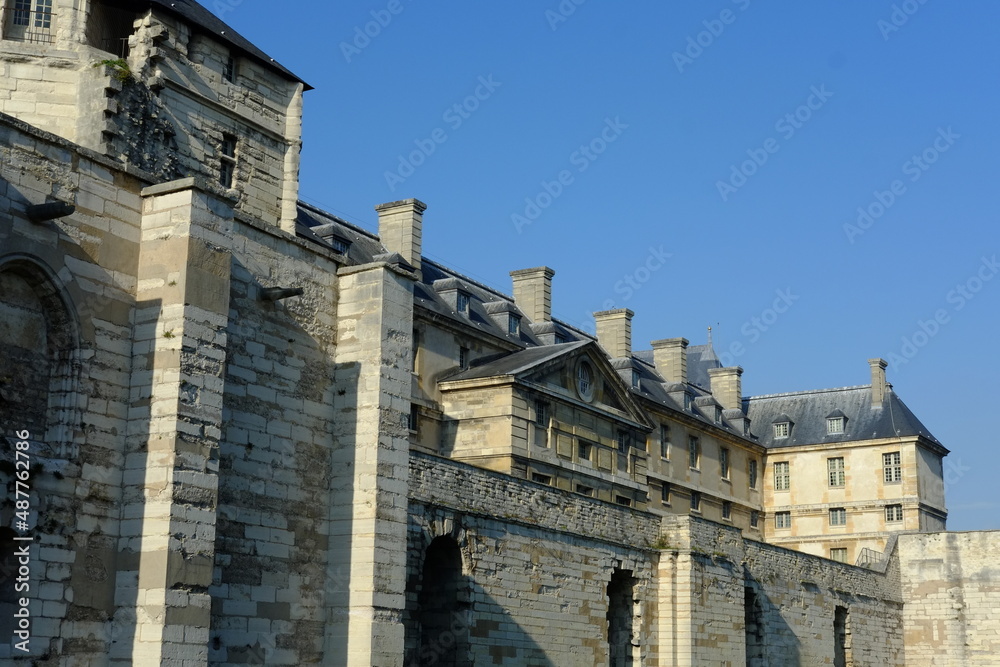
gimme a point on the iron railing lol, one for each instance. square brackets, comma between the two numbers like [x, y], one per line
[23, 24]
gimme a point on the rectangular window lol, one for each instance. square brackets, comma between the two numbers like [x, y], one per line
[463, 303]
[694, 452]
[695, 501]
[782, 476]
[839, 555]
[514, 325]
[542, 414]
[782, 519]
[635, 378]
[227, 160]
[754, 518]
[413, 423]
[664, 441]
[724, 462]
[22, 13]
[835, 471]
[892, 468]
[542, 479]
[834, 425]
[727, 510]
[781, 430]
[893, 513]
[838, 516]
[623, 500]
[463, 357]
[665, 493]
[584, 490]
[752, 473]
[718, 415]
[229, 69]
[583, 450]
[624, 441]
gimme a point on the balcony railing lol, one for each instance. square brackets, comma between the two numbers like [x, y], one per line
[22, 24]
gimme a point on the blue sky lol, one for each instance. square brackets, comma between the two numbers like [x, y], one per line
[703, 164]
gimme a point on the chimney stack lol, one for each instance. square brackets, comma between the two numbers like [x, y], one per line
[533, 292]
[878, 381]
[670, 359]
[727, 388]
[614, 332]
[400, 228]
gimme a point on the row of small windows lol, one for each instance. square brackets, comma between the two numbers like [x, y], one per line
[892, 472]
[834, 426]
[838, 516]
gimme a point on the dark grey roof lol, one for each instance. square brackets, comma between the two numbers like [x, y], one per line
[808, 411]
[700, 358]
[517, 362]
[201, 19]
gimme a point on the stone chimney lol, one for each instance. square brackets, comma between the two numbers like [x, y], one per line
[878, 381]
[400, 228]
[727, 388]
[614, 332]
[670, 358]
[533, 292]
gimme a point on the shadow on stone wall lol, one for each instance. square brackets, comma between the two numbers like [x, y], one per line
[771, 642]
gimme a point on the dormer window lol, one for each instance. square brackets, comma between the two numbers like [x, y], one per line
[687, 401]
[718, 415]
[513, 325]
[462, 303]
[781, 429]
[635, 378]
[584, 381]
[835, 422]
[340, 246]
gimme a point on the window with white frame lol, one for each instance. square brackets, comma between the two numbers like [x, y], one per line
[227, 160]
[695, 501]
[724, 462]
[892, 468]
[462, 303]
[513, 325]
[664, 441]
[541, 413]
[781, 429]
[752, 473]
[838, 516]
[893, 513]
[835, 471]
[782, 519]
[665, 493]
[727, 510]
[839, 554]
[584, 381]
[782, 476]
[834, 425]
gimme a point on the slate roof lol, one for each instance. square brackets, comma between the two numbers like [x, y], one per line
[517, 362]
[202, 19]
[808, 411]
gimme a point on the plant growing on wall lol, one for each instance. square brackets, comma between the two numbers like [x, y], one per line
[119, 68]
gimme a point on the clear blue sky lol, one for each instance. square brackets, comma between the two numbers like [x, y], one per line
[830, 103]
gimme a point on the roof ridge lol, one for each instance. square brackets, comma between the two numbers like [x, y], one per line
[340, 220]
[808, 391]
[466, 278]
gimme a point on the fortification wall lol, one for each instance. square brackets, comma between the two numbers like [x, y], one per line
[951, 584]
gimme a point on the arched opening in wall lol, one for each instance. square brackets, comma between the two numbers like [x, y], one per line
[621, 619]
[842, 638]
[443, 612]
[753, 615]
